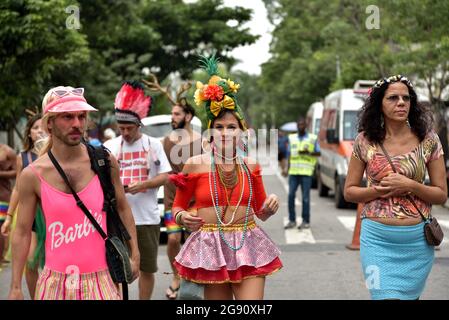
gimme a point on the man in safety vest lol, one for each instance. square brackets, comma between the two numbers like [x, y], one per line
[303, 150]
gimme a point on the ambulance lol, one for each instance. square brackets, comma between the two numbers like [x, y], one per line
[338, 130]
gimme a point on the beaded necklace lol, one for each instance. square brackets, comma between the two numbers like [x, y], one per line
[234, 180]
[245, 225]
[229, 179]
[224, 157]
[215, 192]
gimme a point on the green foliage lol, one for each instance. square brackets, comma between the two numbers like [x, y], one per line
[115, 41]
[35, 43]
[312, 37]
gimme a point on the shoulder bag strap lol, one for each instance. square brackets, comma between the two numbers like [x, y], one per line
[79, 203]
[395, 171]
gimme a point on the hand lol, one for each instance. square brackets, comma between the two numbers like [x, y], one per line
[135, 264]
[285, 173]
[15, 294]
[135, 187]
[394, 185]
[190, 220]
[271, 205]
[6, 226]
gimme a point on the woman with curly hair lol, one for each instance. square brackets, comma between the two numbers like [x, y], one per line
[394, 148]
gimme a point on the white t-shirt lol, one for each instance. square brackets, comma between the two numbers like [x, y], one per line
[135, 159]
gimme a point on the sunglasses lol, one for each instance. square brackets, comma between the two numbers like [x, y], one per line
[63, 92]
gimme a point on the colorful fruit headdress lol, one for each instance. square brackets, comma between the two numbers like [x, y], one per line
[218, 94]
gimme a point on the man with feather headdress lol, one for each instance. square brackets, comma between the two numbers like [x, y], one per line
[143, 169]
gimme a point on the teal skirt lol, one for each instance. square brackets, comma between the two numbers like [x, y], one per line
[396, 260]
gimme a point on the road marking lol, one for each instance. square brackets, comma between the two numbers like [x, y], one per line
[347, 221]
[444, 223]
[295, 236]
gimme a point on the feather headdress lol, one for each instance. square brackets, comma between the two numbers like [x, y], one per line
[218, 94]
[131, 104]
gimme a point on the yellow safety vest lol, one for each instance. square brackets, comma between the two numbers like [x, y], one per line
[301, 164]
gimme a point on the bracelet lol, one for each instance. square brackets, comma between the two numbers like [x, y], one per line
[178, 217]
[9, 214]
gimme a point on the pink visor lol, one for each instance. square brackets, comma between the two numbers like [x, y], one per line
[69, 104]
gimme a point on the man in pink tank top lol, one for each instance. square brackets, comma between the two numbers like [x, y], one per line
[75, 262]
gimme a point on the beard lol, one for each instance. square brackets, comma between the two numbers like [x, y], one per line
[179, 125]
[66, 138]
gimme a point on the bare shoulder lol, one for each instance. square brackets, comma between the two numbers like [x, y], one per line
[9, 151]
[28, 177]
[196, 164]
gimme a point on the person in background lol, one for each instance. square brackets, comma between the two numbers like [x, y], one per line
[7, 173]
[181, 144]
[33, 138]
[282, 151]
[303, 150]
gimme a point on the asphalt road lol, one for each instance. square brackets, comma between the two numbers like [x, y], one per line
[317, 266]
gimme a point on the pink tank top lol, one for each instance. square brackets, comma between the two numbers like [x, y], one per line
[72, 244]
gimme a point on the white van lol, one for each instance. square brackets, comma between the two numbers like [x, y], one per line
[158, 127]
[313, 117]
[313, 120]
[336, 137]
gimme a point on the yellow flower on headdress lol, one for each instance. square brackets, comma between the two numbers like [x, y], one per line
[234, 87]
[199, 95]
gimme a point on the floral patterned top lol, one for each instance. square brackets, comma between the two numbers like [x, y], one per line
[411, 164]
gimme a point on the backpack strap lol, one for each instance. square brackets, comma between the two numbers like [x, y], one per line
[101, 165]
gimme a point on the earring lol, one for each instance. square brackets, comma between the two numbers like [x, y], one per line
[408, 123]
[382, 123]
[203, 148]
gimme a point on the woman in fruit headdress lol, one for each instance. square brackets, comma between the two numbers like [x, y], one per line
[227, 251]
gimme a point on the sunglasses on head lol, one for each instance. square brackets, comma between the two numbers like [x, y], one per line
[63, 92]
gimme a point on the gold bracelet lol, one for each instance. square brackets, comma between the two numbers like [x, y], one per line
[178, 217]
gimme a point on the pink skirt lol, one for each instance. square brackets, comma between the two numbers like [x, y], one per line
[206, 258]
[53, 285]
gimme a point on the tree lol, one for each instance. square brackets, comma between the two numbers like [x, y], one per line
[115, 41]
[35, 43]
[322, 46]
